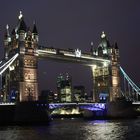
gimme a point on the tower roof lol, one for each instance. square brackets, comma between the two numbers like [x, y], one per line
[34, 29]
[116, 45]
[104, 41]
[21, 24]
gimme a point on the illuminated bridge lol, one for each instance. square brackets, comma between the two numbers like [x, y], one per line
[88, 106]
[75, 56]
[18, 69]
[76, 108]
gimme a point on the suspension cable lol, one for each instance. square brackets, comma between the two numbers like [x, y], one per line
[9, 63]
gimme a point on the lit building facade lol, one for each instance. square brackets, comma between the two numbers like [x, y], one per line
[64, 88]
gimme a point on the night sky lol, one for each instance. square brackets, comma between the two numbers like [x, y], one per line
[74, 24]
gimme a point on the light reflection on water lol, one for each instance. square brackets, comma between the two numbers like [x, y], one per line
[75, 129]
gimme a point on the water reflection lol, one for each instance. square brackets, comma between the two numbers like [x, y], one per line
[112, 130]
[75, 129]
[104, 130]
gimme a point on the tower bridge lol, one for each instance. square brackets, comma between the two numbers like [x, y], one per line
[75, 56]
[22, 51]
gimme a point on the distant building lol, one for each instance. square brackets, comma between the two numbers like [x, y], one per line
[64, 88]
[79, 94]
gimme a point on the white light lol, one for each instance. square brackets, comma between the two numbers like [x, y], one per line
[17, 36]
[78, 53]
[105, 51]
[7, 26]
[91, 43]
[9, 39]
[20, 15]
[7, 103]
[66, 54]
[103, 35]
[114, 81]
[45, 51]
[6, 63]
[94, 67]
[92, 58]
[25, 35]
[136, 103]
[11, 68]
[105, 64]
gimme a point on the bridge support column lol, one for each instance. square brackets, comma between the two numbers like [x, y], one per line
[100, 75]
[28, 85]
[115, 91]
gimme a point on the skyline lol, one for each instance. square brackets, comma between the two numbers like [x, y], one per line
[75, 25]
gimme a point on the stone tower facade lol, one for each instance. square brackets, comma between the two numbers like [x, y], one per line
[23, 73]
[101, 77]
[115, 91]
[106, 78]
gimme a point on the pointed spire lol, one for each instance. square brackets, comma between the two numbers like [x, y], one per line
[91, 44]
[7, 26]
[7, 34]
[20, 15]
[91, 48]
[116, 45]
[34, 28]
[21, 24]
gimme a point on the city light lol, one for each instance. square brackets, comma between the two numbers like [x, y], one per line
[3, 104]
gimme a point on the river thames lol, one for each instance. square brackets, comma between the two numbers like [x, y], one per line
[75, 129]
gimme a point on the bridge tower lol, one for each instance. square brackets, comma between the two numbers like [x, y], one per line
[101, 78]
[106, 78]
[23, 72]
[115, 91]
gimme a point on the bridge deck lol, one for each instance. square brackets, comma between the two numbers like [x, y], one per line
[71, 57]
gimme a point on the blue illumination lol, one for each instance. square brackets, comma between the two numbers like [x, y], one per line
[88, 106]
